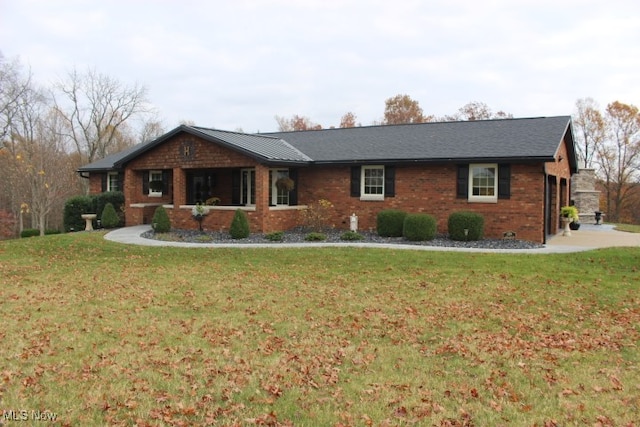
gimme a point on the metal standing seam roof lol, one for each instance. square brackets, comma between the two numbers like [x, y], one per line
[522, 139]
[267, 147]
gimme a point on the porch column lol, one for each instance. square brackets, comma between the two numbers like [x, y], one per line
[179, 187]
[131, 216]
[262, 196]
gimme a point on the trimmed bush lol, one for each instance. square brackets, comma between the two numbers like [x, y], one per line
[276, 236]
[160, 221]
[315, 237]
[389, 222]
[30, 232]
[109, 216]
[351, 236]
[116, 198]
[459, 221]
[239, 225]
[74, 207]
[419, 227]
[51, 231]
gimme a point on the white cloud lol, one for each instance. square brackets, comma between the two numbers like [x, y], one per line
[238, 64]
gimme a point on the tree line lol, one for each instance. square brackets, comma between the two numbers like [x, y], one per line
[399, 109]
[46, 133]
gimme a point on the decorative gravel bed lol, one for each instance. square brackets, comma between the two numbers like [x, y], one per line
[334, 236]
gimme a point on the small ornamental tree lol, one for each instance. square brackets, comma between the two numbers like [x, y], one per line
[239, 225]
[109, 216]
[160, 221]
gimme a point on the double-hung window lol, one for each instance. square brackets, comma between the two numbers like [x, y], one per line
[113, 183]
[155, 183]
[372, 183]
[483, 183]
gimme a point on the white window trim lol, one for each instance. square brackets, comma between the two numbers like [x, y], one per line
[110, 175]
[483, 199]
[274, 189]
[151, 192]
[370, 197]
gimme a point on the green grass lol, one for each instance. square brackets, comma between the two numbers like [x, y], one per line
[106, 334]
[630, 228]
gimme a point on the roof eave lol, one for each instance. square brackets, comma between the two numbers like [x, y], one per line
[528, 159]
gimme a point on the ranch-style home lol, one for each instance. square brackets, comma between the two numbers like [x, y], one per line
[515, 172]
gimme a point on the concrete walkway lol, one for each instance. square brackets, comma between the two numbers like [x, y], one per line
[587, 238]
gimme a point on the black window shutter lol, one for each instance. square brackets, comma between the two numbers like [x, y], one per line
[120, 181]
[355, 181]
[504, 181]
[103, 184]
[235, 187]
[165, 182]
[293, 194]
[389, 181]
[462, 182]
[145, 183]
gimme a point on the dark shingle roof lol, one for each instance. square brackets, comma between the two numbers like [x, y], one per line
[534, 139]
[531, 139]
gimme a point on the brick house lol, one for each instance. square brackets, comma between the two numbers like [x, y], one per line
[516, 172]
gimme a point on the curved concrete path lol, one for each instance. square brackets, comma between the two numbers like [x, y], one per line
[587, 238]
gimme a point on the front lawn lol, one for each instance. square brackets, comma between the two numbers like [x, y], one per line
[98, 333]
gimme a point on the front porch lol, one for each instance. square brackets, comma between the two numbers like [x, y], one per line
[222, 191]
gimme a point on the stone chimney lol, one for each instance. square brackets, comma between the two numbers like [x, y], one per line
[584, 195]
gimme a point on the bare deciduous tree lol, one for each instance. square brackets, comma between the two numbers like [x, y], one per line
[13, 84]
[476, 111]
[94, 108]
[296, 123]
[590, 130]
[42, 165]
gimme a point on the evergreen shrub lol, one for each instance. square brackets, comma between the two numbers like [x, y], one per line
[315, 236]
[459, 221]
[109, 216]
[160, 221]
[30, 232]
[419, 227]
[116, 198]
[351, 236]
[74, 207]
[239, 225]
[389, 222]
[276, 236]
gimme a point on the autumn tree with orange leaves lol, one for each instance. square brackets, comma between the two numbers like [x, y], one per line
[618, 159]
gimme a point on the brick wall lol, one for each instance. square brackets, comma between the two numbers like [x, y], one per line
[432, 190]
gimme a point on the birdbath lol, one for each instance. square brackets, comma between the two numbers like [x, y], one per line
[89, 221]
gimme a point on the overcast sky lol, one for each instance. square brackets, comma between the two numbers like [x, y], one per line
[236, 64]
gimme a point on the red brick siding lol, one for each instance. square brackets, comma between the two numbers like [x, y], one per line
[95, 183]
[432, 190]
